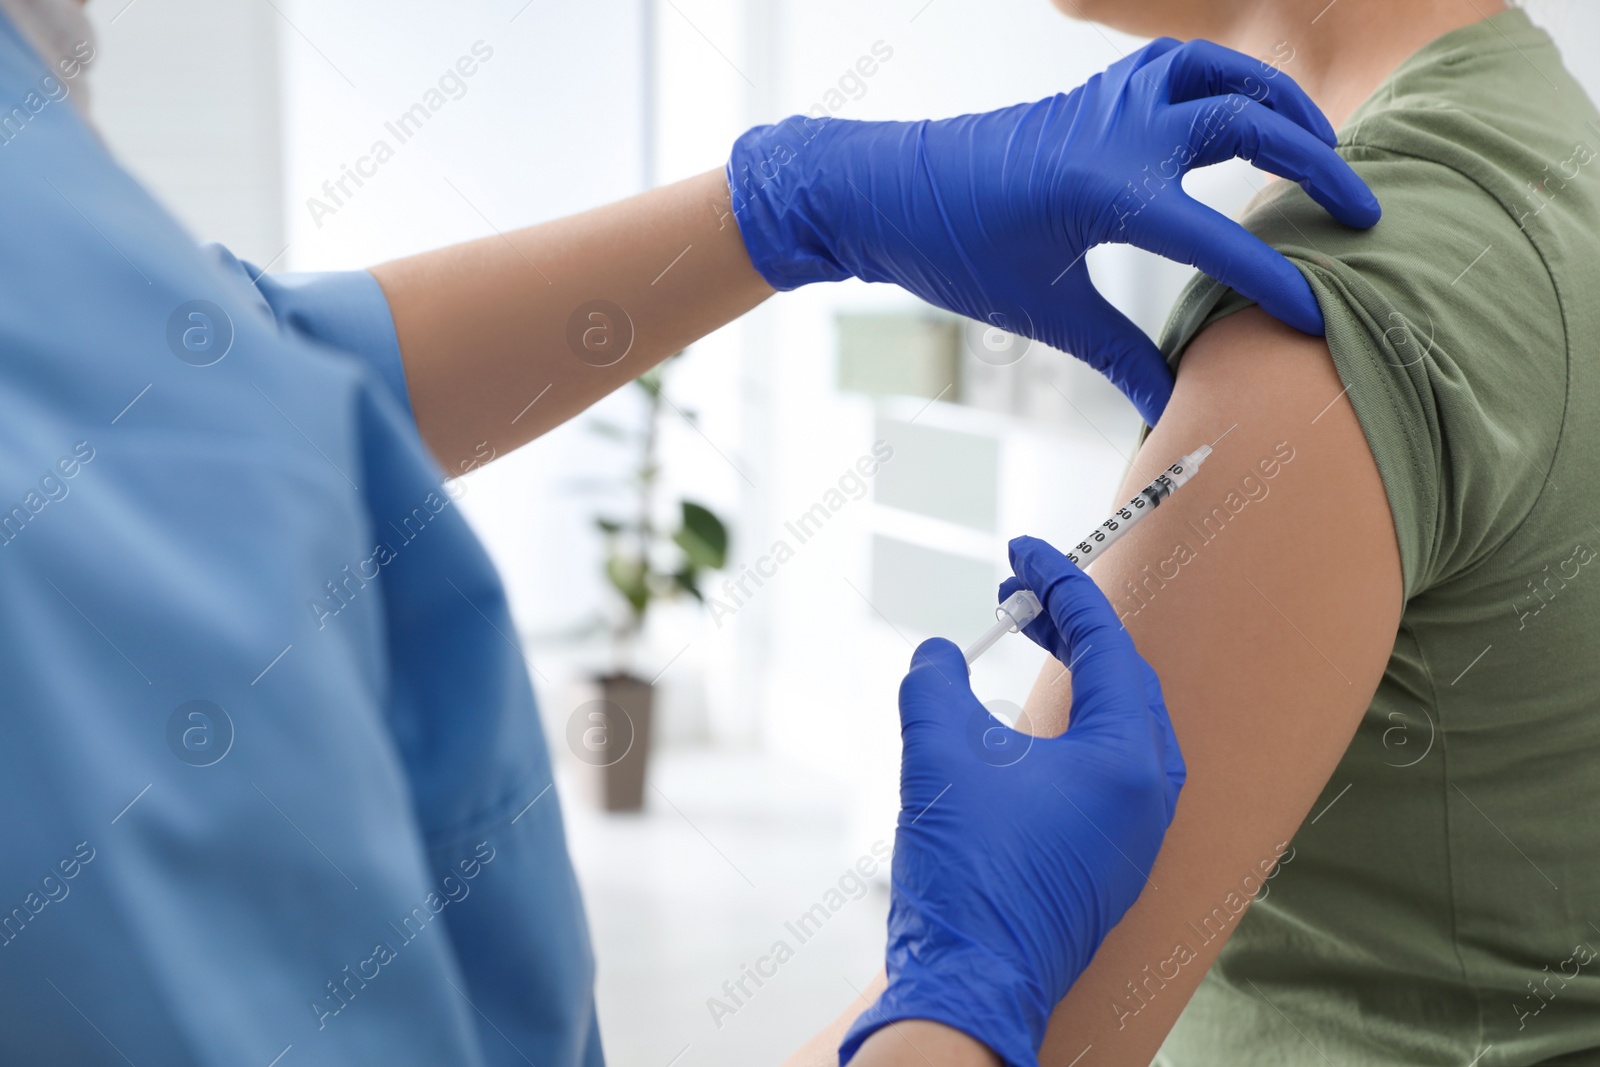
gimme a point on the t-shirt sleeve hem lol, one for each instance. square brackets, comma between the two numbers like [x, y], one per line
[345, 309]
[1395, 441]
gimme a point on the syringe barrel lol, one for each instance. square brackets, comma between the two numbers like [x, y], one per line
[1145, 501]
[1022, 607]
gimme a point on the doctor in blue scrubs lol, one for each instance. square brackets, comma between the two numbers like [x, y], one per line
[272, 778]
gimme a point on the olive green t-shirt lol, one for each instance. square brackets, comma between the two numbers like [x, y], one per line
[1442, 903]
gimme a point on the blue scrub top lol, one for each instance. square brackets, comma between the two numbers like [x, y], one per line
[272, 778]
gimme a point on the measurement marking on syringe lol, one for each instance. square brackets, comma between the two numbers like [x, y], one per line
[1147, 500]
[1022, 606]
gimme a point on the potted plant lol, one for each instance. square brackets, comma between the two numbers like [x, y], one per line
[647, 561]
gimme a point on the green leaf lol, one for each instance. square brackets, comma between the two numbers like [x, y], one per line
[703, 537]
[615, 431]
[687, 579]
[610, 526]
[631, 579]
[650, 382]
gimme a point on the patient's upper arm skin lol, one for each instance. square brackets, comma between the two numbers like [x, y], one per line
[1266, 594]
[1270, 629]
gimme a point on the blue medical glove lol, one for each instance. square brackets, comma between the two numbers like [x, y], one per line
[1015, 856]
[990, 215]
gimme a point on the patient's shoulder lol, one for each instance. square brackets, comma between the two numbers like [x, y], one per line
[1455, 323]
[1446, 325]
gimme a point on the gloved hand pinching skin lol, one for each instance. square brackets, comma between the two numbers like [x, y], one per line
[990, 215]
[1013, 861]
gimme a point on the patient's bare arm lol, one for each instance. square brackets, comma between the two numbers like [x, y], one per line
[1267, 596]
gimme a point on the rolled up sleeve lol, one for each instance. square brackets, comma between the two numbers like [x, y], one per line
[344, 309]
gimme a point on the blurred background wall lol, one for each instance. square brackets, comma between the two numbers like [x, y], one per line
[777, 729]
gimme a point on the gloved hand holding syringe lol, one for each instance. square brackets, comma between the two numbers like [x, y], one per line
[1022, 607]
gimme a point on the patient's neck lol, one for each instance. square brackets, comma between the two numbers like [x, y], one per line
[1342, 51]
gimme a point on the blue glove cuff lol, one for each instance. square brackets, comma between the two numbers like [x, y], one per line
[961, 993]
[771, 171]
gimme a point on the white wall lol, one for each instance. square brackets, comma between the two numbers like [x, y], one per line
[187, 94]
[548, 123]
[1575, 25]
[828, 664]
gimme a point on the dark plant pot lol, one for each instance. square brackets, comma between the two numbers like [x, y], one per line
[613, 741]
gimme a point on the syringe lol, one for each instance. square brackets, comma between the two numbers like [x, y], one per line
[1022, 607]
[1017, 611]
[1144, 502]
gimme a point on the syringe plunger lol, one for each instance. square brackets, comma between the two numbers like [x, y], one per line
[1015, 612]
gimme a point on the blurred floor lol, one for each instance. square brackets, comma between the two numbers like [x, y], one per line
[733, 846]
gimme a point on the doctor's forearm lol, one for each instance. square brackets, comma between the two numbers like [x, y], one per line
[919, 1042]
[507, 336]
